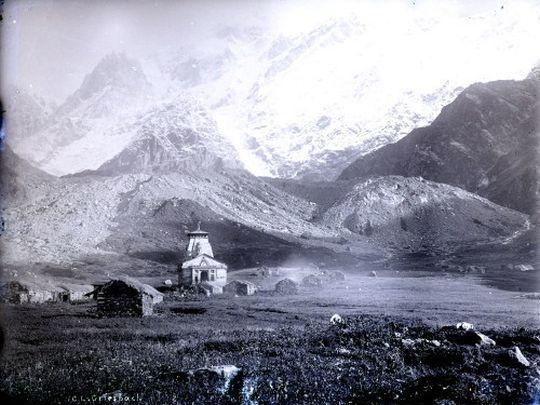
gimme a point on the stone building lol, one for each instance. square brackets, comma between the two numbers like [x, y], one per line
[22, 292]
[201, 266]
[126, 297]
[240, 287]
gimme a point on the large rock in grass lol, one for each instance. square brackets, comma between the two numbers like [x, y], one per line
[517, 358]
[465, 334]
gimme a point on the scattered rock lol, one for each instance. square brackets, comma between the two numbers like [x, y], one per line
[408, 342]
[524, 267]
[465, 326]
[336, 319]
[483, 340]
[218, 375]
[517, 357]
[475, 269]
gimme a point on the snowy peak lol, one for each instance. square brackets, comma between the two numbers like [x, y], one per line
[175, 136]
[115, 76]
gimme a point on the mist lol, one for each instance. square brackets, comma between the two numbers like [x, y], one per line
[49, 46]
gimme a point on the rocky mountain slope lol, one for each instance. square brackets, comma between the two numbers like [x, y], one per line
[419, 215]
[138, 210]
[486, 141]
[18, 179]
[140, 216]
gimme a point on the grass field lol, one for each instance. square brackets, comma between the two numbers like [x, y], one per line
[285, 347]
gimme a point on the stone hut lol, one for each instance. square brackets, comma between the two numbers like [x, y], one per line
[74, 293]
[201, 266]
[312, 281]
[240, 287]
[126, 297]
[208, 288]
[22, 292]
[286, 287]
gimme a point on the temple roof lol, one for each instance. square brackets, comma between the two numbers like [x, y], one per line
[203, 261]
[198, 231]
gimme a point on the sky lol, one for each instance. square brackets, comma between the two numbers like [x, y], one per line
[48, 46]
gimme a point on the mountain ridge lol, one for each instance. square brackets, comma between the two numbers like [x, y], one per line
[464, 144]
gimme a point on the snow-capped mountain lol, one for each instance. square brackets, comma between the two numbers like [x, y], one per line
[178, 135]
[302, 103]
[85, 126]
[309, 103]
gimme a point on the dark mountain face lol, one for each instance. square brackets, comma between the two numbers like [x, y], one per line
[18, 178]
[485, 142]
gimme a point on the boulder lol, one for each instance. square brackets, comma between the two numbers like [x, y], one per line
[517, 357]
[483, 340]
[217, 377]
[523, 267]
[373, 273]
[336, 319]
[408, 342]
[168, 283]
[464, 326]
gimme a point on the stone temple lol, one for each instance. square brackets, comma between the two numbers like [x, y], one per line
[200, 268]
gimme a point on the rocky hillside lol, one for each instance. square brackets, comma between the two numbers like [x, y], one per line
[19, 180]
[485, 142]
[418, 215]
[139, 212]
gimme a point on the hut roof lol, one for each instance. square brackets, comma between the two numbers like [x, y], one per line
[243, 282]
[198, 231]
[203, 261]
[133, 283]
[83, 288]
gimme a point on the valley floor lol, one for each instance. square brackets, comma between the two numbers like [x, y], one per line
[285, 347]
